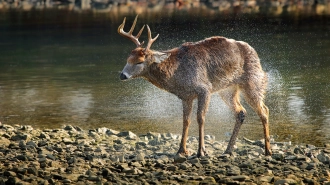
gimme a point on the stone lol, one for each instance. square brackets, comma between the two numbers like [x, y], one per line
[154, 142]
[69, 128]
[114, 158]
[290, 167]
[9, 174]
[22, 157]
[311, 166]
[102, 130]
[94, 178]
[290, 157]
[121, 158]
[112, 132]
[44, 136]
[32, 170]
[178, 158]
[140, 157]
[42, 143]
[58, 148]
[240, 178]
[50, 156]
[194, 160]
[4, 142]
[278, 156]
[285, 181]
[185, 165]
[26, 128]
[22, 171]
[164, 158]
[218, 146]
[13, 180]
[324, 158]
[129, 170]
[31, 144]
[233, 170]
[205, 161]
[19, 137]
[67, 141]
[22, 144]
[247, 164]
[298, 151]
[260, 170]
[326, 150]
[208, 180]
[152, 135]
[172, 168]
[127, 134]
[67, 181]
[42, 160]
[209, 138]
[267, 179]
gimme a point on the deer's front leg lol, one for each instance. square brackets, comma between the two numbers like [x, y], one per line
[187, 108]
[203, 101]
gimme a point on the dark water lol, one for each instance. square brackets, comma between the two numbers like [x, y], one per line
[60, 67]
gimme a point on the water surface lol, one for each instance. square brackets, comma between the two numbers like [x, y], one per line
[60, 67]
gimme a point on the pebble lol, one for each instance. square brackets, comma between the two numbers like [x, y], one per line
[178, 158]
[72, 155]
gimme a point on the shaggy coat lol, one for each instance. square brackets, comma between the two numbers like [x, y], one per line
[196, 70]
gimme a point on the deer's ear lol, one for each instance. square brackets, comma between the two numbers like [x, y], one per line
[160, 57]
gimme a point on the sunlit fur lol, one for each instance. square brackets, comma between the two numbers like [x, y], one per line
[136, 56]
[196, 70]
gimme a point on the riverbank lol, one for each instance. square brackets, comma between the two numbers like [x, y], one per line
[71, 155]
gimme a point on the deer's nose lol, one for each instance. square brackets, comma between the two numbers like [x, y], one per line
[123, 76]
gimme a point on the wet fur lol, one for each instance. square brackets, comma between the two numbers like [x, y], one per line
[216, 64]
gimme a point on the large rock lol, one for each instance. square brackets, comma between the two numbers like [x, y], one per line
[20, 136]
[4, 142]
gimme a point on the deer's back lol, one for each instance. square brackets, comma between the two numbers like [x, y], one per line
[215, 63]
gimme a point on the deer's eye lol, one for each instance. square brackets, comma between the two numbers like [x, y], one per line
[139, 63]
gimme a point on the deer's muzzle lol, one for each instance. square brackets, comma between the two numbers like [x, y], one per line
[123, 76]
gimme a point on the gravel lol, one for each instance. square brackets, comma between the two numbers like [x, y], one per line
[71, 155]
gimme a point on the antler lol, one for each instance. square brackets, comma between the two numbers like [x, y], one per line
[129, 35]
[150, 39]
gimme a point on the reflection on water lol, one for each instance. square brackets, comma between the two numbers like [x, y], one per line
[62, 67]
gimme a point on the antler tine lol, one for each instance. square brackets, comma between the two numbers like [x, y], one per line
[129, 34]
[140, 32]
[150, 39]
[122, 25]
[133, 25]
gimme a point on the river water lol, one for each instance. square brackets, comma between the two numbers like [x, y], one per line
[60, 67]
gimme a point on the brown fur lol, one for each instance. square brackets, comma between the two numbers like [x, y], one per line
[196, 70]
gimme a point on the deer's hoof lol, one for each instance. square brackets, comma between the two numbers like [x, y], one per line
[228, 152]
[183, 152]
[202, 153]
[268, 152]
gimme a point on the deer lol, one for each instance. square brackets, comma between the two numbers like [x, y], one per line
[196, 70]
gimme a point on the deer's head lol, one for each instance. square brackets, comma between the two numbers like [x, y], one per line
[140, 58]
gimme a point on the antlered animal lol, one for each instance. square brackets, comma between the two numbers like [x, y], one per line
[196, 70]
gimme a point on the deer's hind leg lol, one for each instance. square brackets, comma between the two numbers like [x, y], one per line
[254, 95]
[231, 97]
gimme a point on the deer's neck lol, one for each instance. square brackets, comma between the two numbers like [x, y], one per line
[162, 74]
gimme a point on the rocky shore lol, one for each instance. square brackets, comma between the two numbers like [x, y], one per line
[71, 155]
